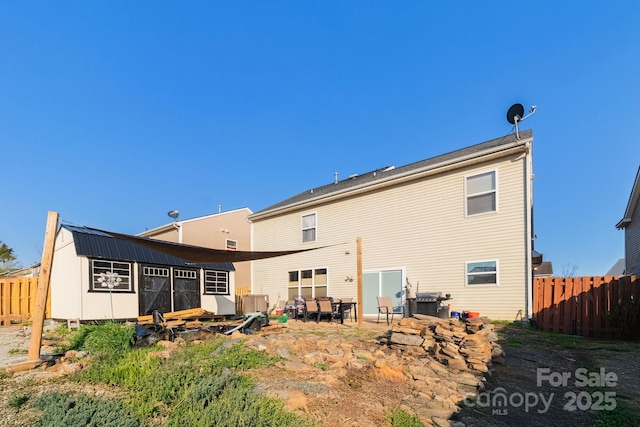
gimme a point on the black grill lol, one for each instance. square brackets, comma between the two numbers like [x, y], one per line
[430, 303]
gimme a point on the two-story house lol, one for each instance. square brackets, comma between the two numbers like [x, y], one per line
[459, 223]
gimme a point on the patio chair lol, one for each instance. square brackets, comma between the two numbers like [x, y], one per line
[295, 306]
[385, 306]
[312, 308]
[325, 308]
[346, 310]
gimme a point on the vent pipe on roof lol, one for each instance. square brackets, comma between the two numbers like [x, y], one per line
[335, 177]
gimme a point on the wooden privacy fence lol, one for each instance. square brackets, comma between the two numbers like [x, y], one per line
[241, 291]
[601, 307]
[18, 299]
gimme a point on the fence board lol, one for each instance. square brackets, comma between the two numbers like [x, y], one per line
[568, 307]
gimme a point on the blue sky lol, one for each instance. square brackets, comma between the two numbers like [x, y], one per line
[114, 112]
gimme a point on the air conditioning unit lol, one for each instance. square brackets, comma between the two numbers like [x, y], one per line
[255, 303]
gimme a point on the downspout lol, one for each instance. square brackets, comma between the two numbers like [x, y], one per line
[178, 227]
[529, 226]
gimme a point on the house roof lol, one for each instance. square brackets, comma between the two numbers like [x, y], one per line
[617, 269]
[631, 205]
[97, 244]
[544, 269]
[391, 173]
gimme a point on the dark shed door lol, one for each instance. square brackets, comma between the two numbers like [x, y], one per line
[186, 289]
[155, 289]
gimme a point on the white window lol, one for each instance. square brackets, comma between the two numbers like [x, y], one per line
[481, 193]
[156, 271]
[232, 245]
[216, 282]
[310, 283]
[482, 273]
[123, 269]
[309, 228]
[184, 274]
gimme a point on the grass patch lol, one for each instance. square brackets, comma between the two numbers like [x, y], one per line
[198, 385]
[621, 416]
[17, 400]
[514, 342]
[401, 418]
[17, 351]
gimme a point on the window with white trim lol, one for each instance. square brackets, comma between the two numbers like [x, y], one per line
[216, 282]
[481, 194]
[232, 245]
[184, 274]
[310, 283]
[482, 273]
[309, 228]
[123, 269]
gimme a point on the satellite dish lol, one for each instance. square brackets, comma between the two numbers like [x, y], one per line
[515, 113]
[173, 214]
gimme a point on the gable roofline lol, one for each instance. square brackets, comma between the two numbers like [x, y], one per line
[383, 177]
[184, 221]
[631, 205]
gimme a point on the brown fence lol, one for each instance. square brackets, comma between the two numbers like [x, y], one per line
[603, 307]
[18, 298]
[241, 291]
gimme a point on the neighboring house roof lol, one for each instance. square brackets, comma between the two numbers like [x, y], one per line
[633, 202]
[31, 271]
[617, 269]
[545, 269]
[391, 173]
[95, 244]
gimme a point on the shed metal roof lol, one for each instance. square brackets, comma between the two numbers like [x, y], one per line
[95, 244]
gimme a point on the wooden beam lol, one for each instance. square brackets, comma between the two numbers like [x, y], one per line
[359, 279]
[43, 287]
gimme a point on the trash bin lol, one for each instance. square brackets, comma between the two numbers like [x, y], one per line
[443, 312]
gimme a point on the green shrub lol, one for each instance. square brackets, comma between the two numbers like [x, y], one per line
[109, 338]
[65, 409]
[400, 418]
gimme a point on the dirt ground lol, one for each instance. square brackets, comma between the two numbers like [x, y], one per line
[362, 398]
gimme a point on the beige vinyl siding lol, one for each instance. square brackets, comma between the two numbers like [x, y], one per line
[420, 227]
[170, 235]
[632, 243]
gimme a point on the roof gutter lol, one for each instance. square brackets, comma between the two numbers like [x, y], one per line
[519, 146]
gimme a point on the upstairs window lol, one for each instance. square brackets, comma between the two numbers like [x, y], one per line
[309, 228]
[232, 245]
[482, 273]
[481, 193]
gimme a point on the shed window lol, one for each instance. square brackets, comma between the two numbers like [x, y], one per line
[122, 269]
[482, 273]
[481, 193]
[216, 282]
